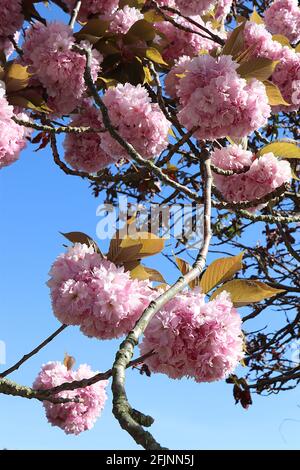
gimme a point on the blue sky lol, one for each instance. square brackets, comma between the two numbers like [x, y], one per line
[37, 201]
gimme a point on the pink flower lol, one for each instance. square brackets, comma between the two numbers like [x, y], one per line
[167, 3]
[269, 172]
[233, 157]
[283, 17]
[260, 40]
[122, 20]
[218, 101]
[264, 175]
[173, 78]
[12, 136]
[72, 417]
[195, 339]
[92, 292]
[194, 7]
[83, 151]
[139, 121]
[177, 42]
[11, 18]
[287, 72]
[296, 92]
[286, 76]
[7, 46]
[222, 9]
[48, 52]
[93, 7]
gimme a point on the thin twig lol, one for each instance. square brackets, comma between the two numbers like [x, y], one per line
[64, 167]
[286, 241]
[254, 203]
[55, 130]
[33, 352]
[209, 34]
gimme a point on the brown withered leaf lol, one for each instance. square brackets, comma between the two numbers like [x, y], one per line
[80, 237]
[69, 361]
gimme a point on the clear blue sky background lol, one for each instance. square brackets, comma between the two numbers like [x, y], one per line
[37, 201]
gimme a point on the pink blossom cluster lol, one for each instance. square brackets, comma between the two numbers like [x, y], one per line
[93, 7]
[48, 52]
[174, 76]
[12, 136]
[72, 417]
[195, 339]
[222, 9]
[139, 121]
[287, 77]
[216, 100]
[11, 18]
[194, 7]
[92, 292]
[177, 42]
[166, 3]
[83, 151]
[283, 17]
[287, 73]
[260, 41]
[264, 175]
[7, 46]
[123, 19]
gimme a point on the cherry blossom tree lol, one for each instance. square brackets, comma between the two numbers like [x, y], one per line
[168, 102]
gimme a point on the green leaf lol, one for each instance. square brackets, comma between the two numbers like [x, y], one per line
[94, 28]
[125, 254]
[258, 68]
[256, 18]
[152, 16]
[16, 78]
[131, 3]
[141, 29]
[274, 94]
[134, 248]
[282, 149]
[183, 265]
[148, 76]
[283, 40]
[138, 271]
[219, 271]
[245, 291]
[155, 56]
[106, 46]
[150, 243]
[30, 99]
[107, 82]
[235, 43]
[184, 268]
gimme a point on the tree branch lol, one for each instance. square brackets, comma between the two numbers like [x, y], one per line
[121, 407]
[211, 36]
[7, 387]
[75, 13]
